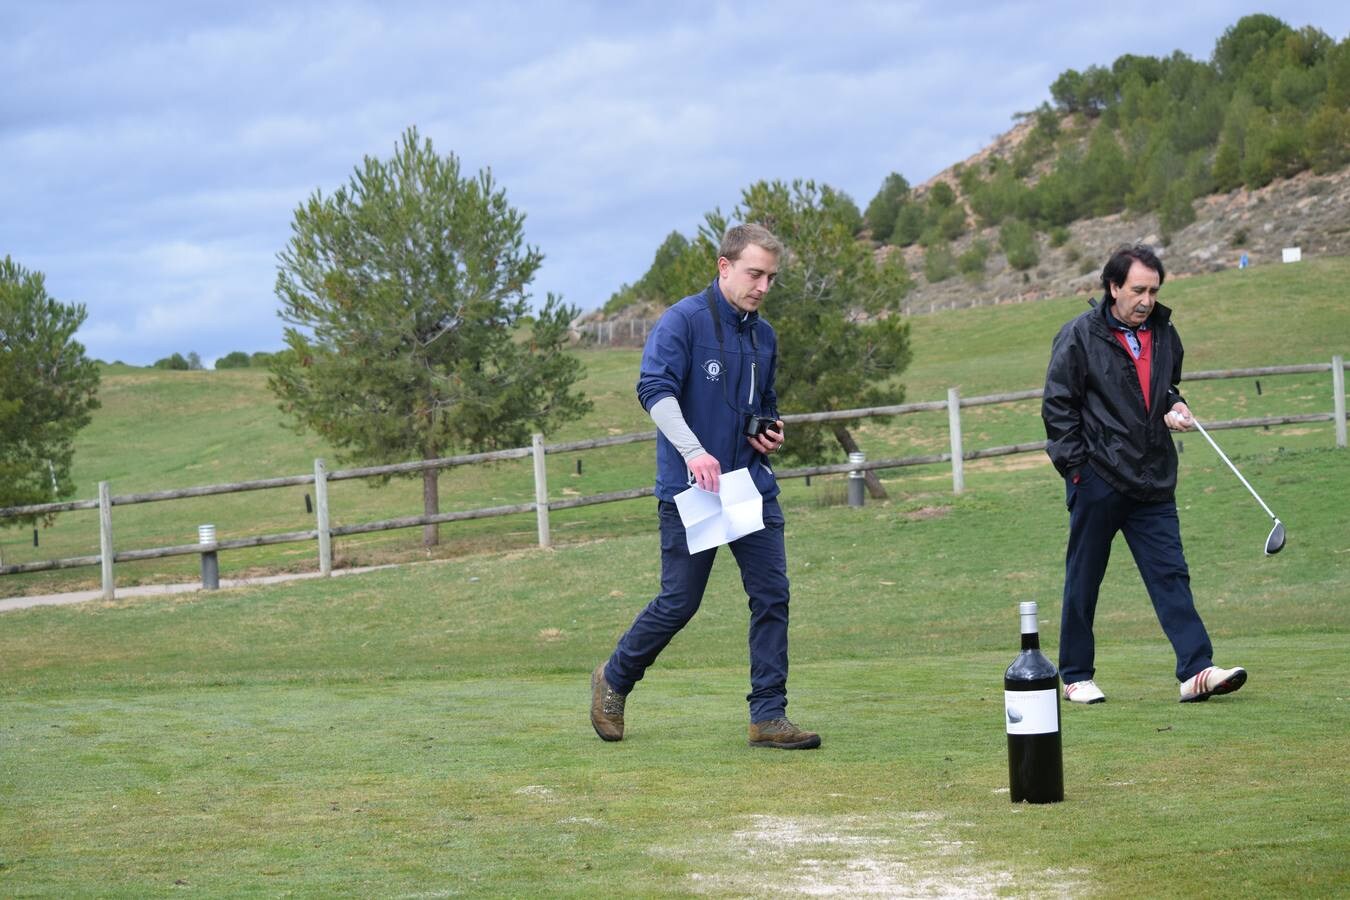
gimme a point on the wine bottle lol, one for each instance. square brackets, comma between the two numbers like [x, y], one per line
[1031, 713]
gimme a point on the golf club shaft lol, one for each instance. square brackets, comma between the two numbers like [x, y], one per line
[1225, 458]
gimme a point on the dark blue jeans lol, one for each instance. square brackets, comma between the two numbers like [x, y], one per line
[1096, 513]
[762, 560]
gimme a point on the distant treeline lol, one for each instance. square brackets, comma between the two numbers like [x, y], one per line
[237, 359]
[1148, 134]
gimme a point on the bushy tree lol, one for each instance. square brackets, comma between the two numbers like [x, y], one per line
[1056, 198]
[1176, 211]
[1001, 196]
[176, 362]
[1245, 42]
[883, 209]
[1066, 90]
[1088, 92]
[1047, 122]
[1329, 138]
[236, 359]
[909, 225]
[404, 294]
[938, 263]
[971, 263]
[1338, 76]
[841, 206]
[48, 391]
[1104, 178]
[1017, 240]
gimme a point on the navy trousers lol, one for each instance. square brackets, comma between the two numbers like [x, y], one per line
[1096, 513]
[762, 560]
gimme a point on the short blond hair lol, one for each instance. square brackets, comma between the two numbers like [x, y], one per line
[738, 237]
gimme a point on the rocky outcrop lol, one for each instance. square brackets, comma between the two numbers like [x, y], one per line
[1311, 212]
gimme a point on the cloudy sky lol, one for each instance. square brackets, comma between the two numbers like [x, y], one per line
[152, 154]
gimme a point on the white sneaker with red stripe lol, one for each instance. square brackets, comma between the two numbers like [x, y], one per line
[1084, 692]
[1203, 685]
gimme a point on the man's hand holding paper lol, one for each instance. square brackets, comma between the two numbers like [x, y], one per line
[712, 519]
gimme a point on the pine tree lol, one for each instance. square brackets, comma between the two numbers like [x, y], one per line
[48, 391]
[405, 294]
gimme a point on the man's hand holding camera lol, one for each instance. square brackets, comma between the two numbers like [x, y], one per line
[770, 439]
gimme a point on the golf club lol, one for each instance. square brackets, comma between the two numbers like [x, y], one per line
[1275, 540]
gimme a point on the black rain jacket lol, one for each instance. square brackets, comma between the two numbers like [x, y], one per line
[1093, 406]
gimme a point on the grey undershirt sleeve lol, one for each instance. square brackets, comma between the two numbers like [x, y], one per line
[669, 418]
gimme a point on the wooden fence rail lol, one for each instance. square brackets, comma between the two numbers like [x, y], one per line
[324, 531]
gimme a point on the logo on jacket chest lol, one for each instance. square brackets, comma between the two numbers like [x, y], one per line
[713, 369]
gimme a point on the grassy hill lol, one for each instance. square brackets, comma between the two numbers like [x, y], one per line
[421, 730]
[166, 429]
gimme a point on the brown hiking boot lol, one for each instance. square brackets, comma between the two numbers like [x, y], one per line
[606, 707]
[782, 735]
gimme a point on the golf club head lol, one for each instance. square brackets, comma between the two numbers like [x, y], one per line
[1275, 541]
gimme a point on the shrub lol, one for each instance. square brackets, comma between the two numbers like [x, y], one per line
[885, 206]
[908, 225]
[236, 359]
[951, 224]
[1017, 240]
[971, 263]
[938, 264]
[1177, 211]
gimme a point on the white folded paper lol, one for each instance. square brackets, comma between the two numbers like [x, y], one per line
[712, 519]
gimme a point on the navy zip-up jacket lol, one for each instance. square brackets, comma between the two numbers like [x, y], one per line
[716, 386]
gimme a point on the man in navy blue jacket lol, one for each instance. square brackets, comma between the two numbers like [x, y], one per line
[707, 381]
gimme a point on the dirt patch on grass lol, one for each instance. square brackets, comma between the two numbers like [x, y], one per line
[1011, 463]
[926, 512]
[896, 855]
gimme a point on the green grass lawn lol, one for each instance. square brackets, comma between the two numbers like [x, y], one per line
[422, 731]
[159, 430]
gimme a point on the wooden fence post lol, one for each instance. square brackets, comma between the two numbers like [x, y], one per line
[954, 426]
[1338, 388]
[321, 517]
[540, 490]
[105, 540]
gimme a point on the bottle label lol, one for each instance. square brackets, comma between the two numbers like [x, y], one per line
[1031, 712]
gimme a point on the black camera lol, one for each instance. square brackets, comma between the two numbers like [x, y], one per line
[757, 425]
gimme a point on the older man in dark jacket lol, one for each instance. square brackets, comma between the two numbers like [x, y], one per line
[1110, 405]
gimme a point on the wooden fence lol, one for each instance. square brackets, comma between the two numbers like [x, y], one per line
[615, 332]
[541, 505]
